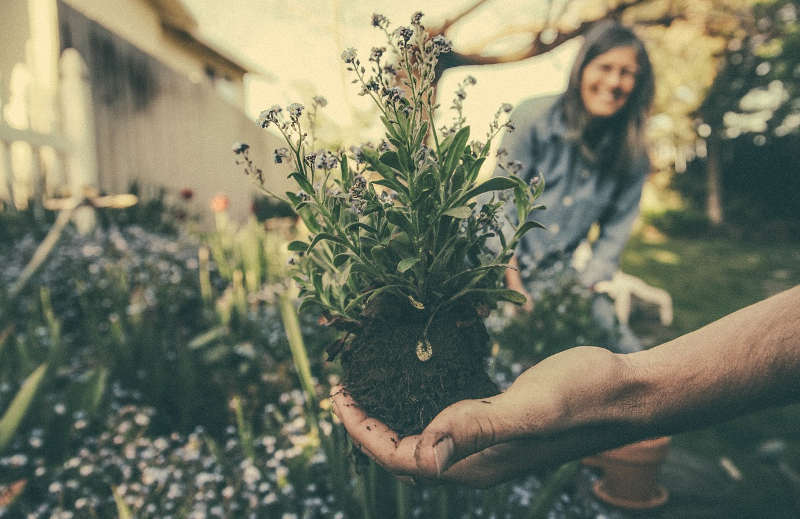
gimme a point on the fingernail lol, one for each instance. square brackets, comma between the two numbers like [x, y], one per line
[442, 452]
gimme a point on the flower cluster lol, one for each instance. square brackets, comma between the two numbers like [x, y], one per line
[458, 106]
[269, 116]
[500, 119]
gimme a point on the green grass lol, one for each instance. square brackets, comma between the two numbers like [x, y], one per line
[707, 279]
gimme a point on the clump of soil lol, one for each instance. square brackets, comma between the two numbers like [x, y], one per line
[382, 372]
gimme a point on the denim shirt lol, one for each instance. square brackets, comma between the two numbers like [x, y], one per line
[576, 195]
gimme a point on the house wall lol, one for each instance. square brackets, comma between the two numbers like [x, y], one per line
[156, 127]
[14, 34]
[138, 23]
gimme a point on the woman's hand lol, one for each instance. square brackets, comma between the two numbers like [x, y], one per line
[514, 282]
[486, 441]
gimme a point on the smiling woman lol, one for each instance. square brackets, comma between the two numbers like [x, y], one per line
[588, 145]
[608, 81]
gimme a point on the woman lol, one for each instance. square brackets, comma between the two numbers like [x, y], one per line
[588, 146]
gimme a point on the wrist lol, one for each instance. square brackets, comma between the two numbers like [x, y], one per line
[579, 387]
[612, 395]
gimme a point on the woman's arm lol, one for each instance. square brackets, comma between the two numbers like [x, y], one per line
[514, 282]
[585, 400]
[615, 230]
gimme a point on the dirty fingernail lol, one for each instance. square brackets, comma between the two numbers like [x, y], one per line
[442, 452]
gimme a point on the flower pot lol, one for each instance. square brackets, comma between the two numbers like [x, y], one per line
[630, 474]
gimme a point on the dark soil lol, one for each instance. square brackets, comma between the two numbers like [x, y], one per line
[382, 372]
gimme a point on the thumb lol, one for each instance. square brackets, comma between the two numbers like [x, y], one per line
[462, 429]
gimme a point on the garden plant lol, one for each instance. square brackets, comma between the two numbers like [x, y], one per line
[406, 248]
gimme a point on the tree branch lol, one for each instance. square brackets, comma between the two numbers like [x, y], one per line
[535, 47]
[455, 19]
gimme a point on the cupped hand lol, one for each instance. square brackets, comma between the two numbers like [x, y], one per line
[534, 425]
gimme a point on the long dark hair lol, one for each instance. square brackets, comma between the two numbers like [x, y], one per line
[625, 128]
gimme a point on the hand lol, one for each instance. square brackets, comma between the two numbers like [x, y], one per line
[484, 442]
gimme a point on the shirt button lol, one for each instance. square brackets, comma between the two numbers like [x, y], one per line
[554, 228]
[567, 201]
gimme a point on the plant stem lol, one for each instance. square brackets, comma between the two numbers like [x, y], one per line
[557, 481]
[402, 502]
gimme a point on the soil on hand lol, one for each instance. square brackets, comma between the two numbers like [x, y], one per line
[382, 372]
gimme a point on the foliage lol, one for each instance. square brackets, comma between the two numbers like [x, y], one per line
[129, 307]
[561, 318]
[760, 188]
[401, 219]
[756, 90]
[749, 121]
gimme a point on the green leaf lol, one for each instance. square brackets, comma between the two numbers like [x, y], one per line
[407, 264]
[496, 294]
[308, 218]
[328, 237]
[376, 164]
[393, 184]
[391, 159]
[455, 150]
[423, 130]
[19, 405]
[380, 254]
[463, 211]
[304, 184]
[340, 259]
[527, 226]
[298, 246]
[397, 289]
[316, 278]
[355, 225]
[208, 336]
[390, 127]
[477, 270]
[123, 512]
[95, 389]
[400, 220]
[493, 184]
[306, 304]
[474, 169]
[346, 176]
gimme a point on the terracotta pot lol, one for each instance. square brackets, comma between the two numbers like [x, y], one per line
[630, 474]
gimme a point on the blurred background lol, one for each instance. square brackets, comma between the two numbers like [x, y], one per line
[151, 361]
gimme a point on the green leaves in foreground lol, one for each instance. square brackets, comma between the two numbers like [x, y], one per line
[19, 405]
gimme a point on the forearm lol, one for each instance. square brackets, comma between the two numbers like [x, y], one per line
[743, 362]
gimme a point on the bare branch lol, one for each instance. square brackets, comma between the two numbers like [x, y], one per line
[536, 47]
[455, 19]
[511, 30]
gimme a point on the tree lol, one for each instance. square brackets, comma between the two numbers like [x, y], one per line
[756, 90]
